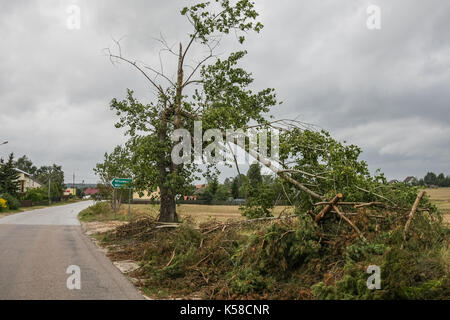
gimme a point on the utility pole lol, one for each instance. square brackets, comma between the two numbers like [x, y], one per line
[129, 203]
[73, 184]
[49, 183]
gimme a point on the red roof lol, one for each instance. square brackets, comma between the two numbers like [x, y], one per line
[90, 191]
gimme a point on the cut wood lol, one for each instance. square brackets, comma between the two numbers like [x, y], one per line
[378, 195]
[370, 204]
[342, 215]
[171, 258]
[411, 214]
[328, 207]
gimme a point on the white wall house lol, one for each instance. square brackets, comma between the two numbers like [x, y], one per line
[26, 181]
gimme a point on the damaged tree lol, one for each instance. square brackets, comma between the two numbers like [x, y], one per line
[214, 93]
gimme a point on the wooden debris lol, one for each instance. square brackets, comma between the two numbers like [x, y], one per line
[328, 207]
[342, 215]
[411, 214]
[171, 258]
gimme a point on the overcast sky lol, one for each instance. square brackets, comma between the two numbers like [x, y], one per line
[386, 90]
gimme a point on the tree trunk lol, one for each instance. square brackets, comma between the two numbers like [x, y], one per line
[168, 209]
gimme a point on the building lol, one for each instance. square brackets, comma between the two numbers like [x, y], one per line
[26, 181]
[155, 195]
[70, 191]
[411, 181]
[90, 191]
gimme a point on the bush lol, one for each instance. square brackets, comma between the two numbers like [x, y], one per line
[97, 210]
[3, 204]
[11, 201]
[260, 204]
[35, 195]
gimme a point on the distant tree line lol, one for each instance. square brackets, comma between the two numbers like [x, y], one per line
[439, 180]
[432, 179]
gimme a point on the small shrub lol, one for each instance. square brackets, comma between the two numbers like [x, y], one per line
[249, 281]
[3, 205]
[35, 195]
[95, 211]
[11, 201]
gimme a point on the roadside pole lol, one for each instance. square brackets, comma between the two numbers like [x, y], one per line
[115, 203]
[129, 204]
[118, 183]
[49, 199]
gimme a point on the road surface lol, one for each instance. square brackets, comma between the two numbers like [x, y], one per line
[37, 247]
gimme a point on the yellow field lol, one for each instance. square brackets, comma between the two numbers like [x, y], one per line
[203, 213]
[441, 198]
[200, 213]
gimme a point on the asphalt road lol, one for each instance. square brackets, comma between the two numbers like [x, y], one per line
[36, 249]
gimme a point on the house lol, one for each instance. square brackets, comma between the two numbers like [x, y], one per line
[155, 195]
[91, 191]
[70, 191]
[411, 181]
[199, 189]
[26, 181]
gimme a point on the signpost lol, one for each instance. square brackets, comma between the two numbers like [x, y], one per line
[118, 183]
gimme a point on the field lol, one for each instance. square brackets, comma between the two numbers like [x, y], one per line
[203, 213]
[199, 213]
[441, 198]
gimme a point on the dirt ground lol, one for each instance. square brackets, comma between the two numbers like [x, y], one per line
[91, 228]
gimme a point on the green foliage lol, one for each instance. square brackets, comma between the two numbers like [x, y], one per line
[95, 212]
[26, 165]
[436, 180]
[246, 281]
[239, 17]
[235, 188]
[221, 92]
[282, 246]
[11, 201]
[260, 203]
[9, 177]
[36, 195]
[262, 194]
[223, 193]
[55, 175]
[3, 205]
[117, 164]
